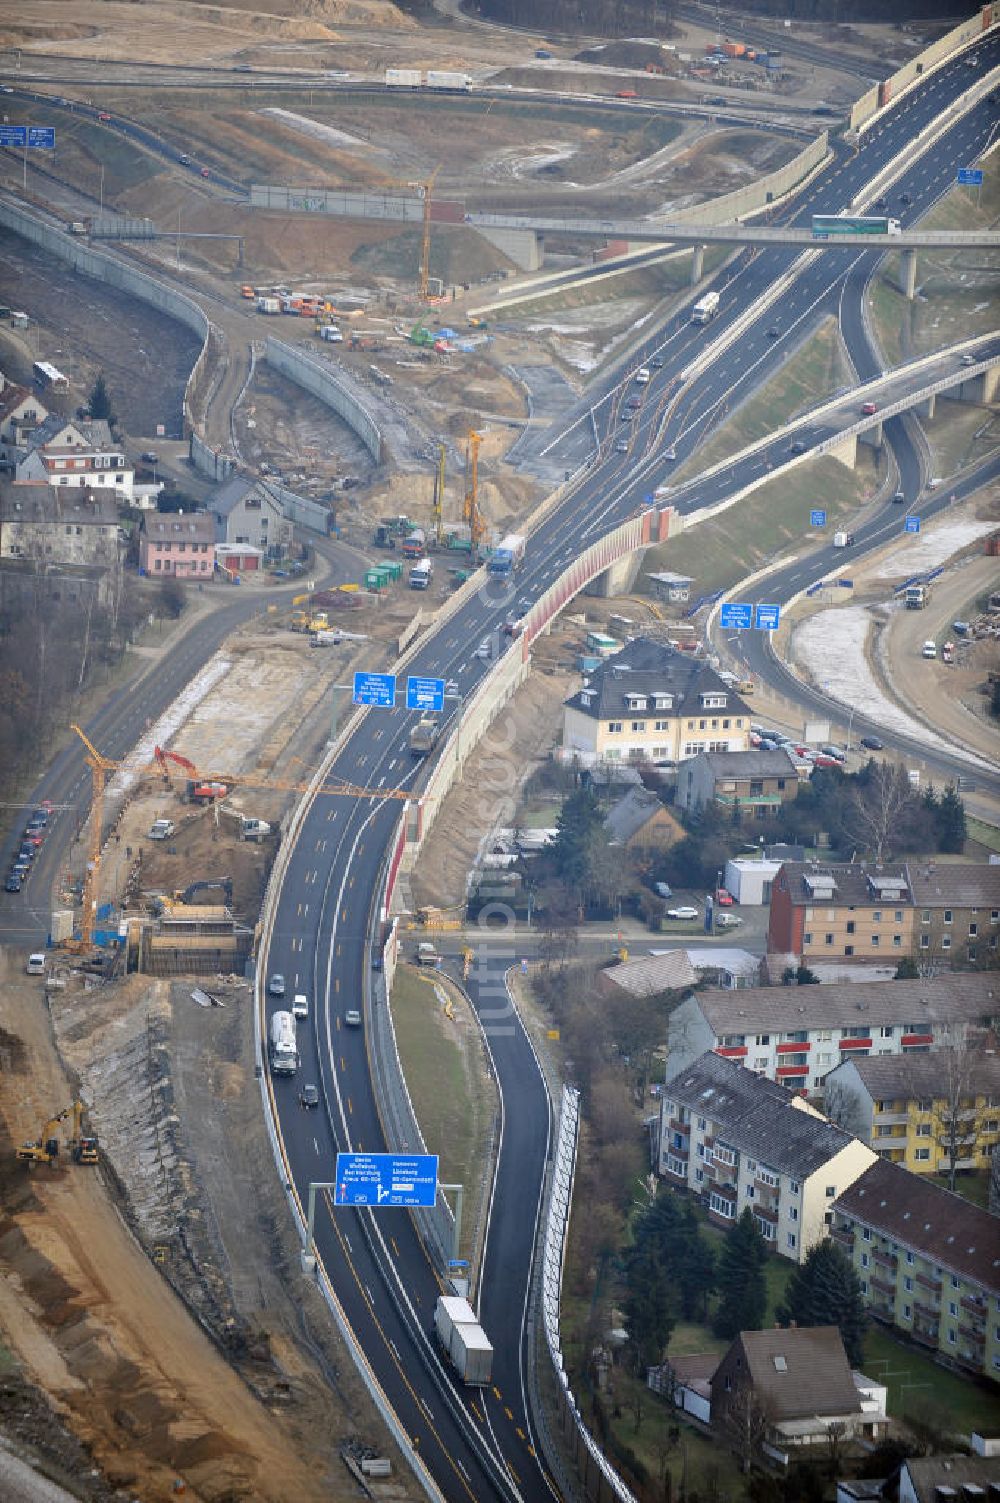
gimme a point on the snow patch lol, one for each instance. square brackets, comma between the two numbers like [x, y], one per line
[926, 550]
[327, 133]
[169, 723]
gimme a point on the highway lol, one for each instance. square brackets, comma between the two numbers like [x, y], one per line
[327, 905]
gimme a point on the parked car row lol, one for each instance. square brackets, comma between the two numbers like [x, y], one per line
[32, 841]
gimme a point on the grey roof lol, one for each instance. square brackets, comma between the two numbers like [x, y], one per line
[613, 774]
[783, 852]
[937, 884]
[948, 1230]
[959, 996]
[37, 501]
[179, 526]
[800, 1372]
[930, 1472]
[627, 817]
[47, 429]
[926, 1076]
[647, 667]
[757, 1115]
[853, 885]
[649, 974]
[731, 958]
[749, 764]
[232, 491]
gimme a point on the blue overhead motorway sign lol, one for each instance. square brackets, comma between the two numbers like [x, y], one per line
[817, 518]
[375, 689]
[911, 524]
[735, 615]
[969, 177]
[424, 693]
[42, 135]
[766, 617]
[386, 1179]
[13, 135]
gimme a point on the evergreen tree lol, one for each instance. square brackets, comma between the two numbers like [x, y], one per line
[647, 1304]
[907, 969]
[741, 1280]
[950, 822]
[824, 1291]
[99, 403]
[582, 840]
[684, 1252]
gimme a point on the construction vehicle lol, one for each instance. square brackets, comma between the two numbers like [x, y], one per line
[915, 596]
[83, 1146]
[162, 758]
[424, 735]
[46, 1149]
[308, 621]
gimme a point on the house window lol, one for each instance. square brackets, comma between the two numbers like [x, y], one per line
[790, 1240]
[614, 727]
[865, 1260]
[763, 1038]
[922, 1155]
[947, 915]
[793, 1213]
[897, 941]
[850, 926]
[807, 938]
[908, 1284]
[638, 725]
[866, 1234]
[946, 941]
[875, 941]
[877, 916]
[909, 1257]
[923, 1129]
[906, 1312]
[661, 725]
[925, 941]
[722, 1207]
[828, 939]
[973, 930]
[887, 1033]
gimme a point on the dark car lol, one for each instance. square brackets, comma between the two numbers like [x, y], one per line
[898, 498]
[13, 883]
[634, 402]
[906, 198]
[657, 362]
[872, 743]
[627, 415]
[774, 332]
[621, 447]
[796, 446]
[309, 1096]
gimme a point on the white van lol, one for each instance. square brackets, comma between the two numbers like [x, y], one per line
[929, 649]
[36, 965]
[162, 829]
[300, 1005]
[642, 376]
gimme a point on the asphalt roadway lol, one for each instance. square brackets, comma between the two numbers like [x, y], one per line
[327, 907]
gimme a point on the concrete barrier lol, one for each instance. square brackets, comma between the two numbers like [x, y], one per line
[213, 464]
[300, 509]
[322, 382]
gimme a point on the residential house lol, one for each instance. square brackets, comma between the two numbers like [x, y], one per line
[651, 703]
[796, 1383]
[245, 511]
[640, 821]
[798, 1034]
[648, 975]
[956, 909]
[750, 880]
[950, 1479]
[746, 785]
[686, 1380]
[838, 912]
[68, 454]
[725, 966]
[47, 527]
[737, 1141]
[921, 1110]
[20, 414]
[928, 1261]
[179, 543]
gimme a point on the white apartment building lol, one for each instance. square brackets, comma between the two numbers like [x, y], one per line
[739, 1141]
[796, 1034]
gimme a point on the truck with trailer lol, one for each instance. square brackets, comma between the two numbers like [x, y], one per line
[827, 226]
[705, 308]
[437, 79]
[281, 1047]
[508, 555]
[423, 736]
[403, 78]
[421, 574]
[463, 1340]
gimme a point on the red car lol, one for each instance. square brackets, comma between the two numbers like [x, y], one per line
[104, 116]
[822, 761]
[723, 897]
[869, 409]
[205, 172]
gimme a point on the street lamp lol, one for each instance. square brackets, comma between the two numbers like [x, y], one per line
[455, 694]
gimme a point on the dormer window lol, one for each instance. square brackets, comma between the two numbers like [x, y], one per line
[636, 701]
[713, 701]
[663, 701]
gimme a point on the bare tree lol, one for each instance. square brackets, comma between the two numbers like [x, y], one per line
[955, 1071]
[746, 1421]
[842, 1107]
[875, 808]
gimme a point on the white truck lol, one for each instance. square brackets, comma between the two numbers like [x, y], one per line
[268, 305]
[424, 735]
[463, 1340]
[436, 79]
[843, 539]
[705, 308]
[403, 78]
[281, 1048]
[421, 574]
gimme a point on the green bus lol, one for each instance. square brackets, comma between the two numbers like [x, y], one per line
[825, 226]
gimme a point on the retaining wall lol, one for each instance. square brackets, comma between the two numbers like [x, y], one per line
[322, 382]
[757, 195]
[867, 107]
[212, 463]
[300, 509]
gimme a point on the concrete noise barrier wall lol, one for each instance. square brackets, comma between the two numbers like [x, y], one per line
[322, 382]
[868, 106]
[89, 262]
[299, 509]
[211, 463]
[338, 202]
[757, 195]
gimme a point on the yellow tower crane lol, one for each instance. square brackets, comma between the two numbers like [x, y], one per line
[425, 244]
[99, 769]
[471, 508]
[439, 494]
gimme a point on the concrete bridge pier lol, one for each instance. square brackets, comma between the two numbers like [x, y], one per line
[927, 407]
[526, 248]
[982, 388]
[872, 436]
[846, 451]
[908, 274]
[618, 578]
[697, 264]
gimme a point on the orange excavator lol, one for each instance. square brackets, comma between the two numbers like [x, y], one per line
[199, 790]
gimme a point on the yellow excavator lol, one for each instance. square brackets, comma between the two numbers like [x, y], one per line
[83, 1146]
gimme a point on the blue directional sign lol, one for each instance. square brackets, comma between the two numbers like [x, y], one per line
[42, 135]
[911, 524]
[766, 617]
[817, 518]
[386, 1179]
[13, 135]
[969, 177]
[424, 693]
[375, 689]
[735, 615]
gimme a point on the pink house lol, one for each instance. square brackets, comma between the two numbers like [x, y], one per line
[178, 543]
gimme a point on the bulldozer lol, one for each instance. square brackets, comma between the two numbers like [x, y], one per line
[83, 1146]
